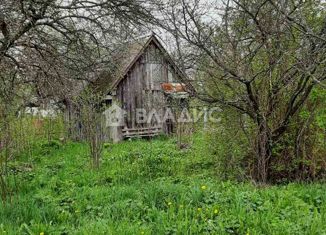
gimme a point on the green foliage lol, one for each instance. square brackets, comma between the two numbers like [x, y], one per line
[150, 187]
[229, 146]
[22, 136]
[300, 155]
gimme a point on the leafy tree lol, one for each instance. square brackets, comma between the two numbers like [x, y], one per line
[263, 58]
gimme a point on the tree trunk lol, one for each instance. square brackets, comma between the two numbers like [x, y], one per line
[263, 152]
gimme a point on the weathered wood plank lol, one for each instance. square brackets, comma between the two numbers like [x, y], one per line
[141, 88]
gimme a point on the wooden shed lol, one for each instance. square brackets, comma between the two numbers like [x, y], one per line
[145, 78]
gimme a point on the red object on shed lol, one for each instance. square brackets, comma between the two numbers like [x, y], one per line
[173, 87]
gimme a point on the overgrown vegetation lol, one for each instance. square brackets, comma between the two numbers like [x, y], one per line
[264, 59]
[150, 187]
[299, 156]
[260, 170]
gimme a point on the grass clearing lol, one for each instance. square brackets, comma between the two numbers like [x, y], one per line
[150, 187]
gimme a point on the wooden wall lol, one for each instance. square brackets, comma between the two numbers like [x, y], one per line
[141, 88]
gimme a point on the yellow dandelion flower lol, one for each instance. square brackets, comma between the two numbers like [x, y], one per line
[204, 187]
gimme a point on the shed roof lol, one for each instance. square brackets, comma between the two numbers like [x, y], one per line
[126, 56]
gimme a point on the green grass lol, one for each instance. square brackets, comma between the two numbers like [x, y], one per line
[150, 187]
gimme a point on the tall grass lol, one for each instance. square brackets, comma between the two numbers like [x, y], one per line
[150, 187]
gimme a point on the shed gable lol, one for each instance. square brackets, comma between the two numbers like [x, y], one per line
[147, 50]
